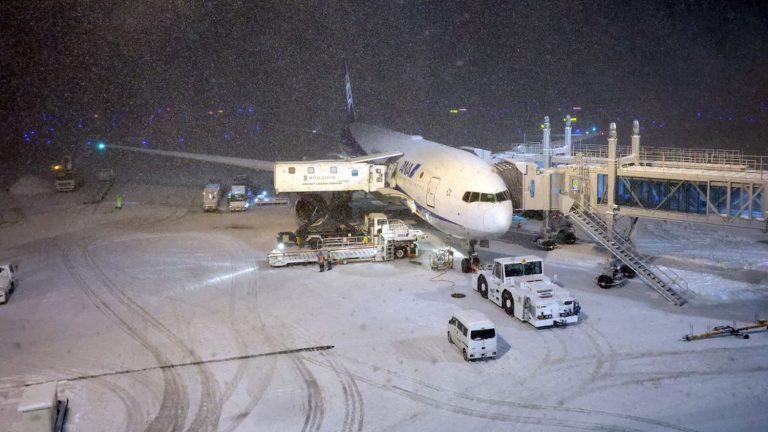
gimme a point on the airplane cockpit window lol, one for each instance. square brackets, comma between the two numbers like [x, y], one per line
[486, 197]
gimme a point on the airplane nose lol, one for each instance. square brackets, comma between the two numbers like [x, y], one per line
[498, 219]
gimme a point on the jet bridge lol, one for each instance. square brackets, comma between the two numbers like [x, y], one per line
[705, 186]
[602, 183]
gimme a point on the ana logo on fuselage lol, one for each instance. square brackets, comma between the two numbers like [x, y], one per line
[409, 168]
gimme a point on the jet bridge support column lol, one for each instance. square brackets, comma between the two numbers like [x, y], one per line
[569, 150]
[545, 239]
[612, 139]
[636, 142]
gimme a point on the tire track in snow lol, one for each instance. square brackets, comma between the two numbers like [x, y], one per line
[173, 405]
[499, 410]
[209, 408]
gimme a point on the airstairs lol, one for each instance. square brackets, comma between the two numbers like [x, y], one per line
[664, 281]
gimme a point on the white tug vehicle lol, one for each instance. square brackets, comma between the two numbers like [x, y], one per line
[518, 285]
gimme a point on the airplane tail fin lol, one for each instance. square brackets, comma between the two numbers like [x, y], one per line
[348, 91]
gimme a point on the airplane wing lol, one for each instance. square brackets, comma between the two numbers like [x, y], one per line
[240, 162]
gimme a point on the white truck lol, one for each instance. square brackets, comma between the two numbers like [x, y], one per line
[238, 198]
[518, 285]
[382, 239]
[7, 281]
[211, 197]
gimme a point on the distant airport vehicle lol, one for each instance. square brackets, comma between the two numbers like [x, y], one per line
[518, 285]
[7, 281]
[473, 334]
[66, 177]
[211, 197]
[237, 198]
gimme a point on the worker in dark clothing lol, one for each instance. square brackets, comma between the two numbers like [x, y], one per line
[321, 261]
[329, 263]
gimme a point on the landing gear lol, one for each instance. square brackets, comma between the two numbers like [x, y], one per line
[467, 264]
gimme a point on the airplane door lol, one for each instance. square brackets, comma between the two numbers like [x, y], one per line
[431, 189]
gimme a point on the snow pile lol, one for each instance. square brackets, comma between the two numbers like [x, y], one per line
[713, 288]
[30, 185]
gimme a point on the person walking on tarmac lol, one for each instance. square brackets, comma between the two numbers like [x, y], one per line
[321, 261]
[329, 262]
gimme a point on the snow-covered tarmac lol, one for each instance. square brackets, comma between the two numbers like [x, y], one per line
[109, 301]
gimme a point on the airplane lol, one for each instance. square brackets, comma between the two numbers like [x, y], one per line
[451, 189]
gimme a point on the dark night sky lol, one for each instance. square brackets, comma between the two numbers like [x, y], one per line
[694, 72]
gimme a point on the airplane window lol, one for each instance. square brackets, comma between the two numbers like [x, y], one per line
[354, 173]
[310, 170]
[487, 197]
[333, 170]
[474, 197]
[465, 198]
[291, 170]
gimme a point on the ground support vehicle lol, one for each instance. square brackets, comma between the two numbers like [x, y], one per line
[615, 273]
[473, 334]
[66, 177]
[7, 281]
[237, 198]
[518, 285]
[211, 197]
[383, 240]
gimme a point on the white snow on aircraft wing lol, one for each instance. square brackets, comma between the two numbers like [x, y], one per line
[226, 160]
[375, 156]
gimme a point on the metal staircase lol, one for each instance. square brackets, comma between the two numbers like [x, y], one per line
[664, 281]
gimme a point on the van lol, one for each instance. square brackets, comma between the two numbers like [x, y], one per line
[473, 334]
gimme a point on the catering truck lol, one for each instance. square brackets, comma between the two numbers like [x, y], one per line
[518, 285]
[380, 239]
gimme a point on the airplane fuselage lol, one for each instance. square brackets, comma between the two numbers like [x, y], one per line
[451, 189]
